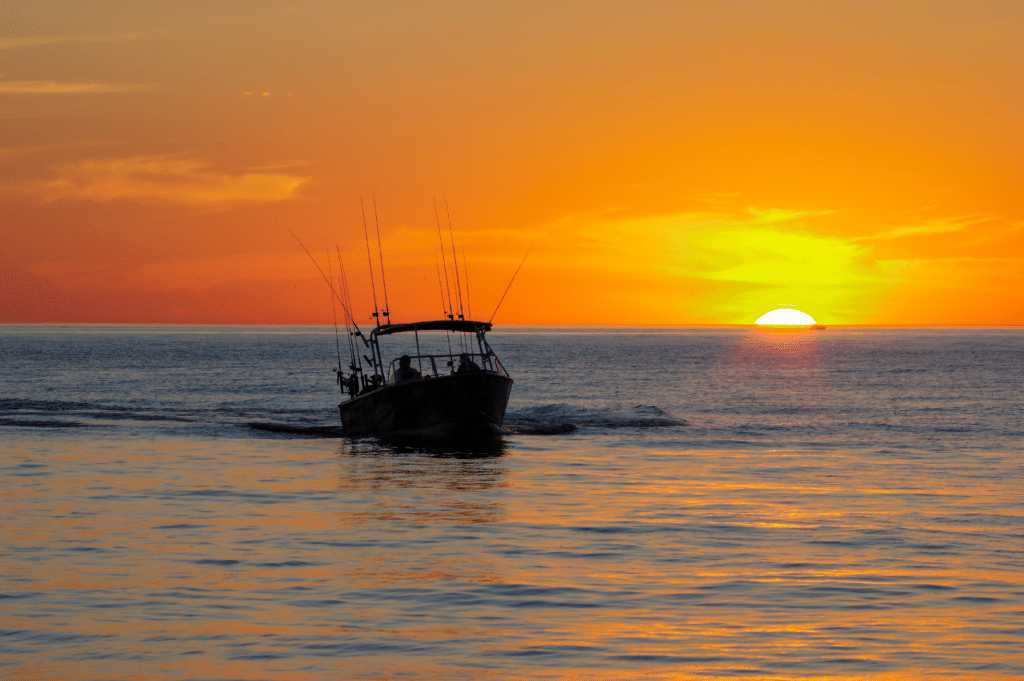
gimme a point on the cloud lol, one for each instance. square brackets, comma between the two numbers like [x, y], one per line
[52, 87]
[165, 179]
[761, 265]
[731, 266]
[943, 225]
[772, 215]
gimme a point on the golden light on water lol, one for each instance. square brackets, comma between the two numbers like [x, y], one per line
[785, 317]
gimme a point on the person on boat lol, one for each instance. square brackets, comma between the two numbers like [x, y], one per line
[466, 364]
[370, 384]
[405, 371]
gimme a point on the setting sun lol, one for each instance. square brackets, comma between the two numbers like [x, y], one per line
[785, 317]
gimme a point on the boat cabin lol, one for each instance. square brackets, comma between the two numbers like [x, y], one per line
[426, 350]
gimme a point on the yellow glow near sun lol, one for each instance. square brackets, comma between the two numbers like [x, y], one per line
[785, 317]
[753, 265]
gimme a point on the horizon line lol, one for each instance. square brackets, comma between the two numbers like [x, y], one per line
[329, 325]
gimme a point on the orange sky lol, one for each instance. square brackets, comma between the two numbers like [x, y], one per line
[669, 163]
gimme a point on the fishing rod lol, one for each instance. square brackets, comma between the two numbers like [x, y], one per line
[455, 257]
[437, 219]
[331, 286]
[447, 334]
[369, 262]
[334, 314]
[355, 359]
[510, 284]
[455, 265]
[348, 300]
[380, 254]
[440, 286]
[465, 269]
[356, 380]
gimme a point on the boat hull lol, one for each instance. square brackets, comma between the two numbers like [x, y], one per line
[467, 404]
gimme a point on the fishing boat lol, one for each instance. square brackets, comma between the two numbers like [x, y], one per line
[450, 387]
[423, 392]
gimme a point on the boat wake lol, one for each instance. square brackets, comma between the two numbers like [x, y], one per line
[546, 419]
[561, 419]
[66, 414]
[210, 419]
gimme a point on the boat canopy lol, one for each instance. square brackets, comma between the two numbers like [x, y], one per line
[463, 325]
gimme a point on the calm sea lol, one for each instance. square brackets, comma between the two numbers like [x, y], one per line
[177, 503]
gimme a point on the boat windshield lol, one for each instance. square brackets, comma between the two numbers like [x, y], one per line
[432, 354]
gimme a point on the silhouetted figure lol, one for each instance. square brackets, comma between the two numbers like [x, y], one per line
[372, 383]
[466, 364]
[405, 371]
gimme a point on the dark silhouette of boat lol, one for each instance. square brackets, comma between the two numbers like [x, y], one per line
[439, 396]
[463, 392]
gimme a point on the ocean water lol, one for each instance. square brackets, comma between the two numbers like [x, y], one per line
[177, 503]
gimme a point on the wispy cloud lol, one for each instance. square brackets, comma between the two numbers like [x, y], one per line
[52, 87]
[762, 264]
[942, 225]
[774, 215]
[165, 179]
[730, 266]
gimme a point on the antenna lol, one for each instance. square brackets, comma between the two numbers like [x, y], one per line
[510, 284]
[369, 261]
[380, 254]
[451, 310]
[455, 259]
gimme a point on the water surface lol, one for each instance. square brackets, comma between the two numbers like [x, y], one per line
[702, 503]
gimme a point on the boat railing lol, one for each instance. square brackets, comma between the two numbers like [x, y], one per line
[435, 366]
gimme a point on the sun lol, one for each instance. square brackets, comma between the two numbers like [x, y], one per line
[785, 317]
